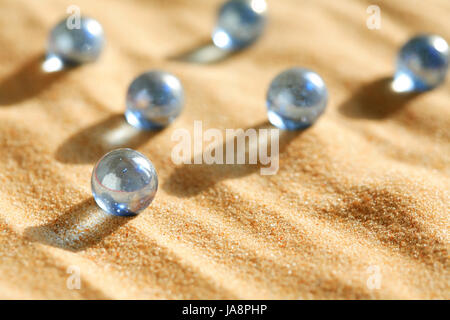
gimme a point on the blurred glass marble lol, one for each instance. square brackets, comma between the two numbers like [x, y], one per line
[154, 100]
[296, 98]
[422, 64]
[124, 182]
[240, 23]
[75, 44]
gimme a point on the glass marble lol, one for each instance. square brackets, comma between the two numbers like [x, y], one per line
[124, 182]
[154, 100]
[422, 63]
[76, 45]
[296, 98]
[240, 23]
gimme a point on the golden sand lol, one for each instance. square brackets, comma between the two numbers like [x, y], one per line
[363, 193]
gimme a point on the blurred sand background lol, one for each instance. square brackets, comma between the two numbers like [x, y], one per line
[365, 189]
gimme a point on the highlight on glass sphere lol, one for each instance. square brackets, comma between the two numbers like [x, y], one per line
[422, 64]
[154, 100]
[240, 23]
[124, 182]
[296, 98]
[76, 43]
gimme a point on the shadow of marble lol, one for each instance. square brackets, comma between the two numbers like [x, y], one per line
[188, 180]
[376, 100]
[205, 52]
[81, 227]
[31, 79]
[90, 144]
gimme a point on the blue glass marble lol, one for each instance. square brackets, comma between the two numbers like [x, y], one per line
[240, 23]
[422, 63]
[75, 45]
[296, 98]
[124, 182]
[154, 100]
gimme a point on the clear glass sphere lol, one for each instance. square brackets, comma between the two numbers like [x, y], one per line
[240, 23]
[154, 100]
[296, 98]
[422, 63]
[124, 182]
[76, 43]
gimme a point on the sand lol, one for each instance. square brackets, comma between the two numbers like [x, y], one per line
[359, 208]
